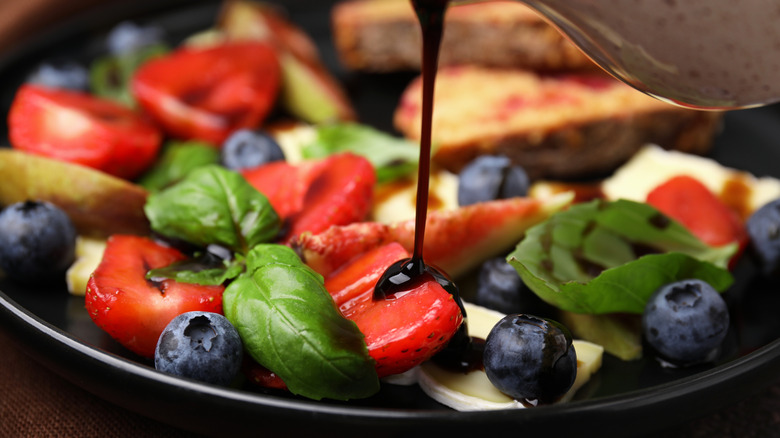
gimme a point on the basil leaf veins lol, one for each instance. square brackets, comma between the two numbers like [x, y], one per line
[607, 257]
[204, 268]
[290, 325]
[213, 205]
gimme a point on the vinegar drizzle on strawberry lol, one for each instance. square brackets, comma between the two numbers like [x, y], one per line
[404, 275]
[461, 353]
[408, 274]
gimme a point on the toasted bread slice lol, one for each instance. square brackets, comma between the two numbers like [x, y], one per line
[558, 126]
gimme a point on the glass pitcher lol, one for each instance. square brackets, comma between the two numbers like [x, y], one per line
[705, 54]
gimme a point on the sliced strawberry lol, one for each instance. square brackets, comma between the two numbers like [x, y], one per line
[78, 128]
[340, 194]
[134, 310]
[261, 376]
[207, 93]
[455, 241]
[315, 195]
[284, 184]
[348, 286]
[403, 331]
[309, 92]
[691, 203]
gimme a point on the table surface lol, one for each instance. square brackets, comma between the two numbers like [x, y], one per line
[36, 402]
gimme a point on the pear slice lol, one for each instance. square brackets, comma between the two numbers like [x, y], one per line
[311, 94]
[309, 91]
[98, 204]
[620, 335]
[89, 254]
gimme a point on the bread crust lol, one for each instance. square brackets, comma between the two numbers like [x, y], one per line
[593, 149]
[384, 36]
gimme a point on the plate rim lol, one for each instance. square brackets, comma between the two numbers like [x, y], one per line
[61, 351]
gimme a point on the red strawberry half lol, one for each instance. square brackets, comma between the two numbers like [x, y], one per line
[261, 376]
[207, 93]
[134, 310]
[403, 331]
[79, 128]
[284, 184]
[314, 195]
[691, 203]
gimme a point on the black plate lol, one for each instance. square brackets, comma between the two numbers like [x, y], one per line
[632, 398]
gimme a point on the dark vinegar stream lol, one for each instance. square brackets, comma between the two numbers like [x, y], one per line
[407, 274]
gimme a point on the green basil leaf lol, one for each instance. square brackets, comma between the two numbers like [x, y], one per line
[290, 325]
[177, 160]
[267, 254]
[110, 76]
[213, 205]
[391, 157]
[609, 257]
[202, 269]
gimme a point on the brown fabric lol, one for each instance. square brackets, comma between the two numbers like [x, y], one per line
[20, 18]
[34, 402]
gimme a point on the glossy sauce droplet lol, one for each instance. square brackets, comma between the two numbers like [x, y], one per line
[463, 354]
[408, 274]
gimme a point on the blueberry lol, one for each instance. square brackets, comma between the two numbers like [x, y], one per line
[66, 75]
[763, 227]
[37, 242]
[128, 36]
[499, 286]
[491, 177]
[530, 358]
[245, 149]
[200, 345]
[685, 322]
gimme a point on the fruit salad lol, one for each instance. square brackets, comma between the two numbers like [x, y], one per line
[226, 218]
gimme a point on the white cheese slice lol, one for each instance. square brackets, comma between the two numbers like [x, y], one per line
[653, 165]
